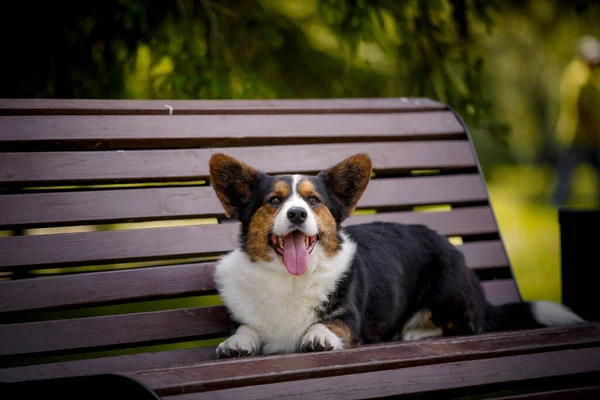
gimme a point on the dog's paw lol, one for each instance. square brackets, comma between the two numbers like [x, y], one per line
[238, 345]
[419, 334]
[320, 338]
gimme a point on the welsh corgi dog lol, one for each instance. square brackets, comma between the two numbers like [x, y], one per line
[299, 281]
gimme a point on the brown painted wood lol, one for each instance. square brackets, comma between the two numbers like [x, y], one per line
[459, 189]
[135, 132]
[126, 245]
[118, 330]
[182, 107]
[366, 358]
[105, 206]
[72, 208]
[584, 393]
[484, 255]
[259, 370]
[98, 288]
[72, 335]
[420, 379]
[473, 220]
[104, 365]
[113, 246]
[192, 164]
[502, 291]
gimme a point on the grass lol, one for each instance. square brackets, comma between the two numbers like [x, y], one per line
[529, 224]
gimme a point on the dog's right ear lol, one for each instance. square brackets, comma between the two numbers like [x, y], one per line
[233, 181]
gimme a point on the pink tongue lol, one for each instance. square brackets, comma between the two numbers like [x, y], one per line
[295, 255]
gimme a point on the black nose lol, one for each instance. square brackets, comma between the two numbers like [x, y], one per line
[297, 215]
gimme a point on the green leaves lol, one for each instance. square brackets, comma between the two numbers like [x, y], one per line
[256, 49]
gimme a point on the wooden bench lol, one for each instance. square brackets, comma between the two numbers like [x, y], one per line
[140, 301]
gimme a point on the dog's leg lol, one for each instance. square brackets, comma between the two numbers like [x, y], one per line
[455, 296]
[419, 327]
[245, 342]
[459, 308]
[327, 336]
[459, 312]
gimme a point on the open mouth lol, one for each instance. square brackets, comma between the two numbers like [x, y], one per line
[294, 248]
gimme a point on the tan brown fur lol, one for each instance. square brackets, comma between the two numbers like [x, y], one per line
[261, 224]
[281, 189]
[341, 330]
[327, 225]
[424, 320]
[327, 230]
[306, 189]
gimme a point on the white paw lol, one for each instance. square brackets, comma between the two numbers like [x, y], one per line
[320, 338]
[418, 334]
[238, 345]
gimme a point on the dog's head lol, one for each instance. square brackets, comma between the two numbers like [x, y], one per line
[287, 219]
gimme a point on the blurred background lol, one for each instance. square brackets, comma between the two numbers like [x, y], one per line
[508, 67]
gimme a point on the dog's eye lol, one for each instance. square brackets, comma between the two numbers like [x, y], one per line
[313, 200]
[275, 200]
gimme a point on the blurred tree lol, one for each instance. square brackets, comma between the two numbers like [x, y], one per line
[209, 49]
[76, 49]
[245, 49]
[532, 43]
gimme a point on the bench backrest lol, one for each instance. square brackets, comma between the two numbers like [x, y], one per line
[110, 229]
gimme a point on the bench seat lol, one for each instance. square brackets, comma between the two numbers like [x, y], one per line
[109, 234]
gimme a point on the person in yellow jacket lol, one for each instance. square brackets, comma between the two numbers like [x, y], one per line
[578, 127]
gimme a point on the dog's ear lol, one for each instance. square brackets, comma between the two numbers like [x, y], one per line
[348, 180]
[233, 181]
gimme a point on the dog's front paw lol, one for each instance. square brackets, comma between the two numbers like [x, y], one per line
[320, 338]
[238, 345]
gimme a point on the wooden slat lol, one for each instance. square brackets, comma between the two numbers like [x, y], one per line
[192, 164]
[236, 373]
[283, 367]
[182, 107]
[459, 189]
[98, 288]
[466, 221]
[46, 209]
[113, 246]
[107, 364]
[113, 331]
[420, 380]
[119, 330]
[189, 241]
[131, 132]
[483, 255]
[501, 291]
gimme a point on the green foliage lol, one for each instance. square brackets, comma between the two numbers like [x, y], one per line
[250, 49]
[525, 58]
[494, 62]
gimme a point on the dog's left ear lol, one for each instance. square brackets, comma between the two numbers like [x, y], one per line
[233, 182]
[348, 180]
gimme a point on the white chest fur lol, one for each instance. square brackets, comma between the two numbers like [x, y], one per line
[280, 307]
